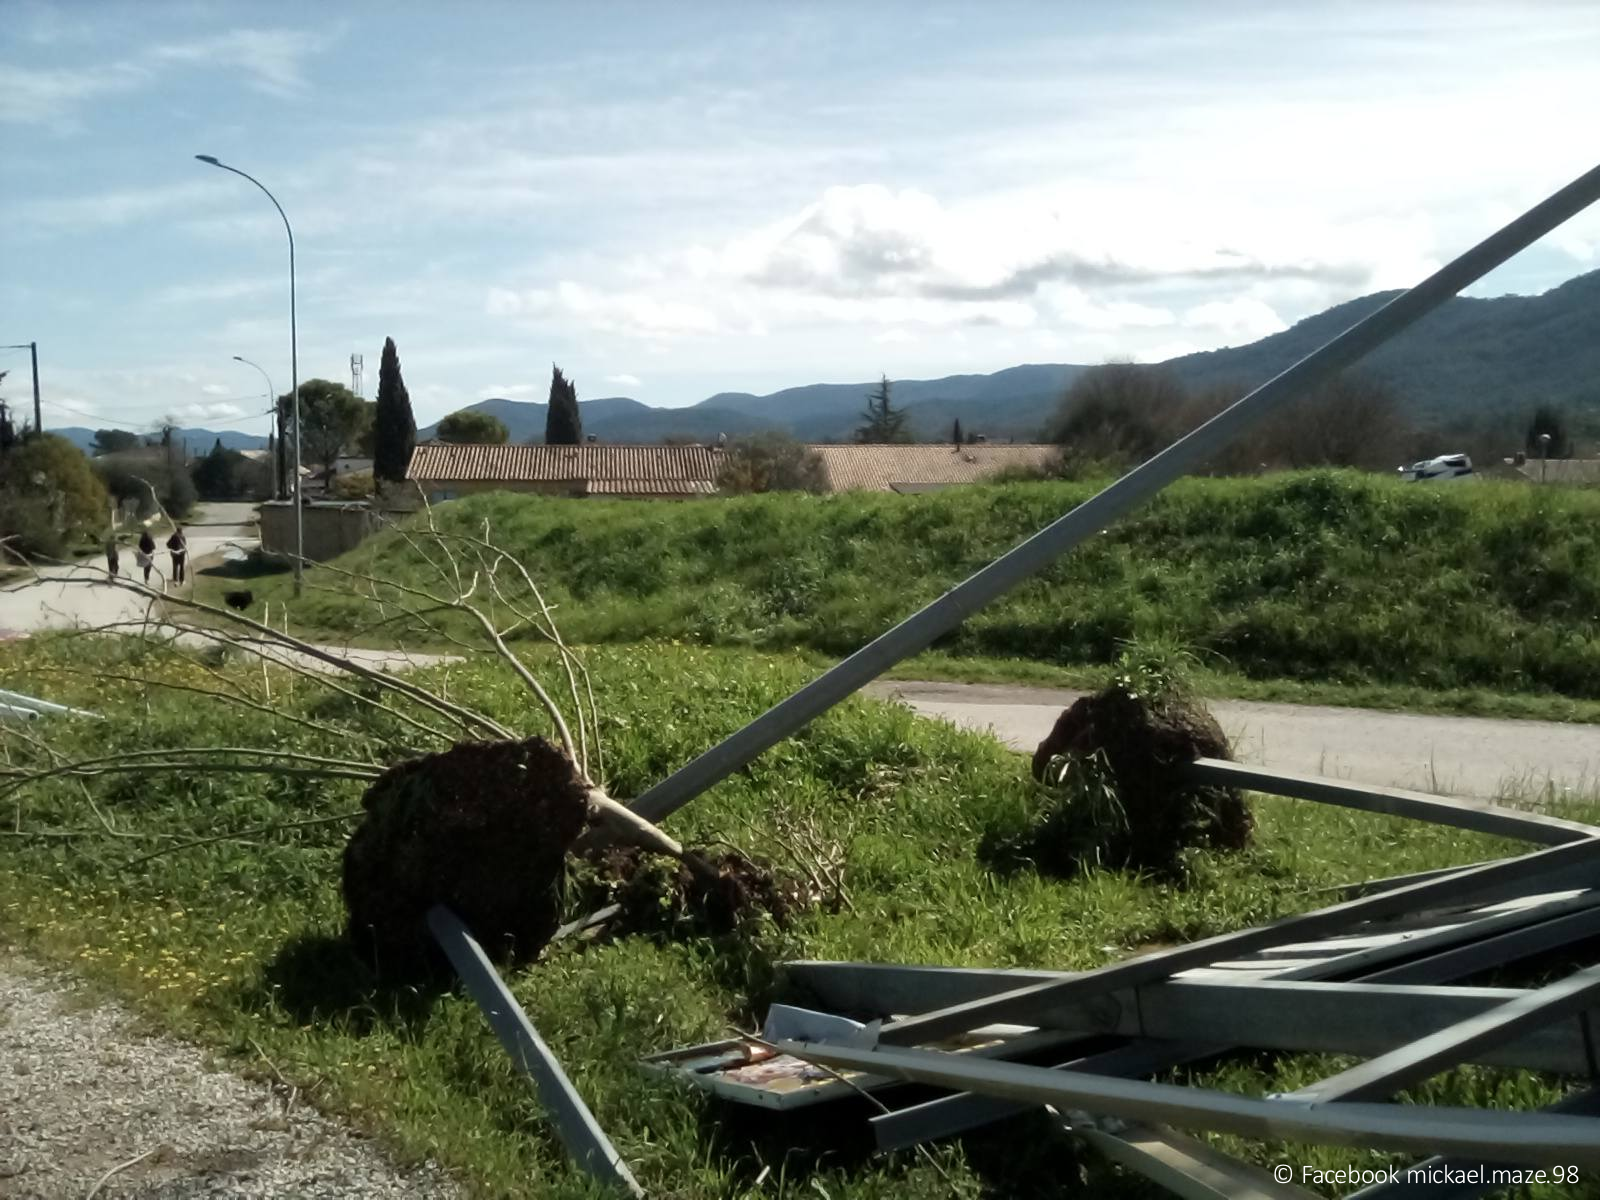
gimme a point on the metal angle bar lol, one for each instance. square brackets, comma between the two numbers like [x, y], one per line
[18, 700]
[1022, 1003]
[949, 1115]
[1368, 886]
[1481, 816]
[574, 1123]
[1430, 1179]
[883, 989]
[1495, 951]
[919, 631]
[1418, 1060]
[1550, 1138]
[1182, 1165]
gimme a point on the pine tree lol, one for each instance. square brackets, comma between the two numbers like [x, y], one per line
[883, 423]
[955, 434]
[394, 433]
[563, 425]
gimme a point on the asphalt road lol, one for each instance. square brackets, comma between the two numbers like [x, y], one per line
[66, 597]
[1463, 756]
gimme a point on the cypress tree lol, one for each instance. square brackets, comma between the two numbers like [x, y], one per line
[394, 432]
[563, 426]
[955, 435]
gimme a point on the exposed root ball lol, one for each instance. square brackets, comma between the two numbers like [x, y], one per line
[1144, 743]
[484, 828]
[660, 896]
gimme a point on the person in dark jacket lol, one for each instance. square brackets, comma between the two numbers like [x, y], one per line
[112, 567]
[146, 555]
[178, 547]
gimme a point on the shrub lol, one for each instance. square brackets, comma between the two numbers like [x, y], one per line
[49, 494]
[770, 462]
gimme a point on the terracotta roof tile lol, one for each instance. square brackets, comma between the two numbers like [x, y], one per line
[600, 466]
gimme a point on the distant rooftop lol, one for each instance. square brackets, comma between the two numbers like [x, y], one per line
[600, 469]
[924, 468]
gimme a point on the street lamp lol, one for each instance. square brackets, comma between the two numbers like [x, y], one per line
[277, 417]
[294, 375]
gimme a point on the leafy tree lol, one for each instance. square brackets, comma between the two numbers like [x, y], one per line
[331, 418]
[563, 423]
[394, 427]
[1118, 413]
[468, 426]
[883, 422]
[109, 441]
[1551, 420]
[226, 475]
[955, 434]
[48, 494]
[770, 462]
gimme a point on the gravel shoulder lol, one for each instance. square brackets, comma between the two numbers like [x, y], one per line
[84, 1092]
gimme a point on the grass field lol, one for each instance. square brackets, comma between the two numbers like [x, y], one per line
[1315, 580]
[238, 944]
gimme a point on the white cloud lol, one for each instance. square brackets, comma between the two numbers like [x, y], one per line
[869, 240]
[32, 95]
[633, 314]
[513, 391]
[214, 411]
[215, 389]
[1242, 319]
[624, 380]
[271, 58]
[893, 337]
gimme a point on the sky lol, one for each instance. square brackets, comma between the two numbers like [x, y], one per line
[675, 200]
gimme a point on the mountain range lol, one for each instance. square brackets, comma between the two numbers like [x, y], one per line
[1471, 362]
[199, 440]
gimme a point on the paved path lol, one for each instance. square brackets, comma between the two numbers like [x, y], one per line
[64, 597]
[1464, 756]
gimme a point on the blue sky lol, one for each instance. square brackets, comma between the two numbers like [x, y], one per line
[676, 200]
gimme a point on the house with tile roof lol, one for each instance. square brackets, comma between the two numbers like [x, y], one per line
[444, 471]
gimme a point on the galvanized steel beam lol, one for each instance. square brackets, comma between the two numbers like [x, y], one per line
[1480, 816]
[1466, 1040]
[1023, 1004]
[1534, 1136]
[574, 1123]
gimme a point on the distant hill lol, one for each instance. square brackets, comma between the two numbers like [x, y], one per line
[1466, 360]
[617, 419]
[200, 440]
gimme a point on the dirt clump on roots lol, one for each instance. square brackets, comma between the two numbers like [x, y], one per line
[1114, 763]
[483, 828]
[658, 896]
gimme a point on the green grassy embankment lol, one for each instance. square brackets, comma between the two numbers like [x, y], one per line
[1322, 586]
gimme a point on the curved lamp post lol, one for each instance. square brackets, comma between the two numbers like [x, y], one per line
[277, 417]
[294, 374]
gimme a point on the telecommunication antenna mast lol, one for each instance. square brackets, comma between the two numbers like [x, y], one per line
[355, 376]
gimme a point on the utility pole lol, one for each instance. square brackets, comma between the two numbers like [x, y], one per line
[38, 416]
[33, 352]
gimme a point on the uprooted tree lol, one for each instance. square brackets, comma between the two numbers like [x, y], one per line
[483, 820]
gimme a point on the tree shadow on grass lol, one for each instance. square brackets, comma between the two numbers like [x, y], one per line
[316, 978]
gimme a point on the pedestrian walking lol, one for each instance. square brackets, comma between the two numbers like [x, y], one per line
[178, 547]
[146, 555]
[111, 558]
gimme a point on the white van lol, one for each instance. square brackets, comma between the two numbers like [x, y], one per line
[1442, 469]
